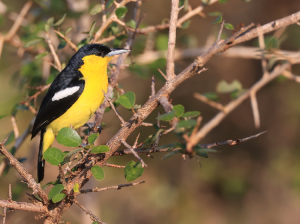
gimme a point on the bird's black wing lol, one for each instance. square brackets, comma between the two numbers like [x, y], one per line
[51, 109]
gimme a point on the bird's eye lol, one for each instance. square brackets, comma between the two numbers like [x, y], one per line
[100, 53]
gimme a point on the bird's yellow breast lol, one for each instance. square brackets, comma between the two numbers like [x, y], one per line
[94, 71]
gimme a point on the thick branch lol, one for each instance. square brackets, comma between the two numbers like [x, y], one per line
[24, 206]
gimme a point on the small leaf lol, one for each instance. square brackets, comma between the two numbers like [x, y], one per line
[186, 24]
[211, 96]
[161, 42]
[91, 32]
[53, 156]
[76, 188]
[203, 151]
[95, 222]
[68, 156]
[49, 24]
[167, 117]
[55, 190]
[131, 23]
[186, 123]
[96, 9]
[32, 42]
[214, 13]
[11, 138]
[68, 30]
[92, 138]
[179, 110]
[191, 114]
[109, 3]
[41, 55]
[225, 87]
[127, 100]
[133, 170]
[97, 172]
[100, 149]
[58, 197]
[229, 26]
[218, 19]
[172, 154]
[68, 137]
[62, 44]
[60, 21]
[121, 12]
[223, 1]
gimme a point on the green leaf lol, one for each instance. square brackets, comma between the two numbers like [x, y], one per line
[95, 222]
[68, 30]
[100, 149]
[218, 19]
[32, 42]
[186, 24]
[2, 116]
[172, 154]
[53, 156]
[172, 146]
[68, 137]
[109, 3]
[211, 96]
[229, 26]
[225, 87]
[60, 21]
[131, 23]
[216, 13]
[179, 110]
[50, 78]
[91, 32]
[62, 44]
[11, 138]
[167, 117]
[127, 100]
[186, 123]
[97, 172]
[191, 114]
[133, 170]
[58, 197]
[55, 190]
[181, 3]
[92, 138]
[203, 151]
[96, 9]
[121, 12]
[49, 24]
[223, 1]
[41, 55]
[76, 188]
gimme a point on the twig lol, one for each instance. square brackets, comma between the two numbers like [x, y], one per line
[29, 180]
[13, 30]
[113, 165]
[262, 46]
[166, 104]
[15, 126]
[24, 206]
[152, 86]
[209, 102]
[231, 142]
[291, 76]
[93, 217]
[134, 153]
[221, 30]
[172, 39]
[118, 187]
[163, 75]
[72, 45]
[114, 109]
[255, 110]
[49, 42]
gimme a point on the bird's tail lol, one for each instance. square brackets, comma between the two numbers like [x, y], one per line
[41, 161]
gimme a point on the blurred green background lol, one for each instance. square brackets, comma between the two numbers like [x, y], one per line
[255, 182]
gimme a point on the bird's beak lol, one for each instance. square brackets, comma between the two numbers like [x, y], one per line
[116, 51]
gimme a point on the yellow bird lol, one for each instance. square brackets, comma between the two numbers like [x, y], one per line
[74, 95]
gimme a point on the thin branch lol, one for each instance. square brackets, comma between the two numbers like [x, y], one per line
[114, 165]
[29, 180]
[118, 187]
[221, 30]
[114, 109]
[15, 126]
[72, 45]
[166, 104]
[262, 47]
[231, 142]
[134, 153]
[209, 102]
[92, 216]
[255, 110]
[291, 76]
[152, 86]
[163, 75]
[172, 39]
[24, 206]
[49, 42]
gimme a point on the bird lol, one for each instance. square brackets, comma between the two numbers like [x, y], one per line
[74, 95]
